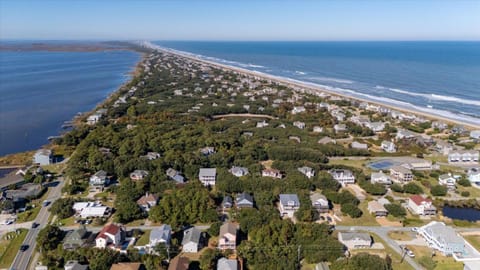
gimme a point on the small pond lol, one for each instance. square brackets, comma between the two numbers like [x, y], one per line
[470, 214]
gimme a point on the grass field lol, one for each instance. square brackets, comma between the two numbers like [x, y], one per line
[9, 248]
[396, 264]
[400, 235]
[474, 240]
[423, 255]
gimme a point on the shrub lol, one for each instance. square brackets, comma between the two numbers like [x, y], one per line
[438, 190]
[412, 188]
[465, 193]
[464, 182]
[395, 210]
[352, 210]
[397, 187]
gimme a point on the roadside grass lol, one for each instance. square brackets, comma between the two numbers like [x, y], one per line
[9, 248]
[396, 258]
[423, 256]
[139, 222]
[144, 239]
[365, 220]
[359, 164]
[474, 240]
[24, 158]
[400, 235]
[70, 221]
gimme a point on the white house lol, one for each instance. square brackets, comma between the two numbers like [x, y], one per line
[111, 234]
[354, 240]
[340, 128]
[43, 157]
[289, 204]
[388, 147]
[375, 126]
[421, 206]
[357, 145]
[307, 171]
[274, 173]
[227, 264]
[262, 124]
[238, 171]
[138, 175]
[474, 175]
[317, 129]
[298, 124]
[404, 134]
[442, 238]
[160, 235]
[475, 134]
[319, 202]
[298, 109]
[401, 174]
[99, 178]
[380, 178]
[377, 209]
[192, 240]
[207, 176]
[447, 180]
[342, 176]
[463, 156]
[94, 118]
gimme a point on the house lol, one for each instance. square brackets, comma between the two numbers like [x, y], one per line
[474, 175]
[74, 265]
[138, 175]
[192, 240]
[127, 266]
[160, 235]
[354, 240]
[207, 176]
[357, 145]
[447, 180]
[244, 200]
[238, 171]
[463, 156]
[377, 209]
[298, 124]
[76, 238]
[375, 126]
[443, 147]
[227, 264]
[227, 238]
[307, 171]
[147, 201]
[206, 151]
[288, 205]
[439, 125]
[342, 176]
[419, 165]
[326, 140]
[317, 129]
[475, 134]
[298, 109]
[151, 156]
[322, 266]
[175, 175]
[319, 202]
[401, 174]
[43, 157]
[404, 134]
[111, 234]
[442, 238]
[421, 206]
[95, 212]
[227, 202]
[388, 147]
[272, 173]
[99, 179]
[94, 118]
[179, 263]
[262, 124]
[380, 178]
[340, 128]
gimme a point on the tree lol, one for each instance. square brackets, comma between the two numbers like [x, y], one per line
[63, 208]
[396, 187]
[464, 182]
[395, 210]
[362, 261]
[6, 205]
[412, 188]
[439, 190]
[49, 238]
[351, 209]
[209, 258]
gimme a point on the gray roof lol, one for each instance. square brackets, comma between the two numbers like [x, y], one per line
[440, 231]
[347, 236]
[225, 264]
[74, 265]
[401, 169]
[244, 198]
[191, 235]
[317, 196]
[227, 200]
[161, 233]
[101, 174]
[285, 198]
[209, 172]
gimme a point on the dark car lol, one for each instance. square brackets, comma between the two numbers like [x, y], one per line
[34, 225]
[23, 247]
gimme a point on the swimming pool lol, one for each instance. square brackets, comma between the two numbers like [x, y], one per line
[381, 165]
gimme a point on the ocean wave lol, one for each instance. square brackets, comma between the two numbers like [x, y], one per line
[300, 72]
[437, 97]
[329, 79]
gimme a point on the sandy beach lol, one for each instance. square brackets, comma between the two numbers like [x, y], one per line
[313, 87]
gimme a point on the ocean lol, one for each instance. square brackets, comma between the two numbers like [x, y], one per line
[41, 89]
[441, 78]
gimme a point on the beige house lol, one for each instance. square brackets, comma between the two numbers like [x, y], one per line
[354, 240]
[401, 174]
[377, 209]
[228, 236]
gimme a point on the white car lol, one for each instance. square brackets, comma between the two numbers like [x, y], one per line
[415, 229]
[410, 253]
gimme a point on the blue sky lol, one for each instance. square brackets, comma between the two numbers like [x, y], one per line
[241, 20]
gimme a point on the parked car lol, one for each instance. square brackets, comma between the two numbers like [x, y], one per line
[45, 203]
[410, 253]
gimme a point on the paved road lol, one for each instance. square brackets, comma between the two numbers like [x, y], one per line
[22, 259]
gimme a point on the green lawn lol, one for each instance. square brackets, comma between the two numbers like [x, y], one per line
[29, 215]
[474, 240]
[144, 239]
[9, 248]
[442, 262]
[400, 235]
[396, 264]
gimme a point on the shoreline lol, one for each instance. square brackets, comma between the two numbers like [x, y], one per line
[313, 87]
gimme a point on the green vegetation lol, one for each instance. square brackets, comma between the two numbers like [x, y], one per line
[363, 261]
[9, 247]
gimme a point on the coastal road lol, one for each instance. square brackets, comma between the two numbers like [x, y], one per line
[22, 259]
